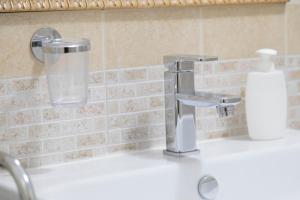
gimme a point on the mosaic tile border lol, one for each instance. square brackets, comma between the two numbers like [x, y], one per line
[125, 111]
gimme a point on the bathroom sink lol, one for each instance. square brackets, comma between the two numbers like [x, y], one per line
[8, 194]
[243, 169]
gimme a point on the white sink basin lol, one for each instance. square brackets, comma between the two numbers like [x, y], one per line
[245, 170]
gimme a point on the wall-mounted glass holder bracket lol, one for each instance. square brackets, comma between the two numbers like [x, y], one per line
[42, 35]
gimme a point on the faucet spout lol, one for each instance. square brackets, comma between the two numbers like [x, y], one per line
[224, 103]
[19, 175]
[207, 99]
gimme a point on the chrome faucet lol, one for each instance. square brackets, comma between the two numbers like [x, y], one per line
[19, 175]
[181, 100]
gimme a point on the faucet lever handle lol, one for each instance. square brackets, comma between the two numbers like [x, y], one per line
[185, 62]
[188, 58]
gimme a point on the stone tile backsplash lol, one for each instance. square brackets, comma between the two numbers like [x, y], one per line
[125, 111]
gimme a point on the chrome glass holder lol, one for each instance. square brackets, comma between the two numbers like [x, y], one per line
[40, 36]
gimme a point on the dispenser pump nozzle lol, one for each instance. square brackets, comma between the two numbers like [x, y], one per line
[267, 56]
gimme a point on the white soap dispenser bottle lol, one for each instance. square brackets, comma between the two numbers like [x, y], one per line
[266, 99]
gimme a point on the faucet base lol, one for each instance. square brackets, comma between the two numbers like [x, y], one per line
[180, 154]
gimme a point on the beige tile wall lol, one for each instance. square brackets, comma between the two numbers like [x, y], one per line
[237, 31]
[141, 37]
[131, 38]
[16, 30]
[126, 104]
[293, 28]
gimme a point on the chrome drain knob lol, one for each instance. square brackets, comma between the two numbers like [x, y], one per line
[208, 188]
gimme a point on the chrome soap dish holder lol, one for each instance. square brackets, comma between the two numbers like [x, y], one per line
[66, 61]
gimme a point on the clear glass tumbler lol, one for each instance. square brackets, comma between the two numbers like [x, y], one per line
[67, 63]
